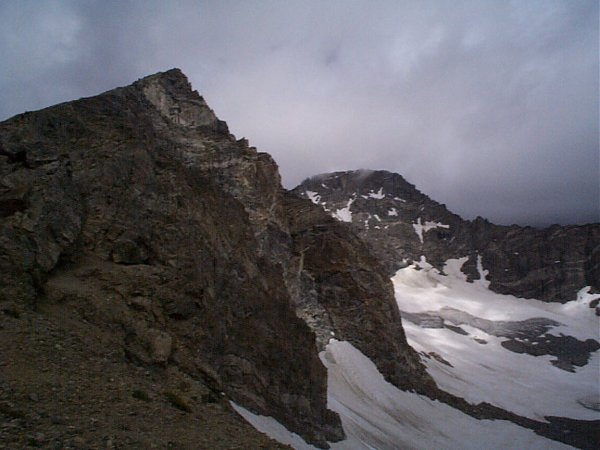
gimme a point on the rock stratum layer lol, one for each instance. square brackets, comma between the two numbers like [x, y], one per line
[401, 224]
[135, 216]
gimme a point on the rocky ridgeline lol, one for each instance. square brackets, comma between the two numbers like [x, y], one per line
[402, 224]
[137, 217]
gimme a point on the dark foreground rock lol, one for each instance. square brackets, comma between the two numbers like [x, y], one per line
[65, 384]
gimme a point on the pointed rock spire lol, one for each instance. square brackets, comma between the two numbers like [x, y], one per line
[171, 93]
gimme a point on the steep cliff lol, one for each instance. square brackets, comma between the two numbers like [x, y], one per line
[137, 214]
[402, 224]
[345, 294]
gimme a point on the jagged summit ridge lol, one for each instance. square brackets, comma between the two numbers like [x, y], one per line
[402, 224]
[171, 94]
[365, 180]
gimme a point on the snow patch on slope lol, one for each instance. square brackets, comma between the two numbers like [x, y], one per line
[483, 273]
[420, 228]
[378, 196]
[313, 196]
[344, 214]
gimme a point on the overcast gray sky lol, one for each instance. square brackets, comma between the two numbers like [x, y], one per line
[488, 106]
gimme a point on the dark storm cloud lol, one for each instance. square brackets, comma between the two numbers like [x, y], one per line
[490, 107]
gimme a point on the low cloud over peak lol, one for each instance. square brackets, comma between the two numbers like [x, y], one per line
[489, 107]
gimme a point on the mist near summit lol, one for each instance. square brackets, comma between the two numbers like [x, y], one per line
[490, 107]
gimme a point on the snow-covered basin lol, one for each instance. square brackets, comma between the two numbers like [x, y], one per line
[377, 415]
[527, 385]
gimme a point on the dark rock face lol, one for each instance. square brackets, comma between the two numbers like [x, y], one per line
[137, 211]
[401, 224]
[348, 295]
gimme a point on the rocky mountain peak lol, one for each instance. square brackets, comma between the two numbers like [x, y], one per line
[364, 182]
[135, 216]
[403, 225]
[172, 95]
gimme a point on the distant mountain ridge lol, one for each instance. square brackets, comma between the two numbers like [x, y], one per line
[402, 224]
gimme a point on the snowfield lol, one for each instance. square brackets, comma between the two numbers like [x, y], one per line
[481, 369]
[464, 360]
[377, 415]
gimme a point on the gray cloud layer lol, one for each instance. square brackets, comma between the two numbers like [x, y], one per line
[490, 107]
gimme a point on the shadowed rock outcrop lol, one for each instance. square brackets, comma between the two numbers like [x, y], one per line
[347, 294]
